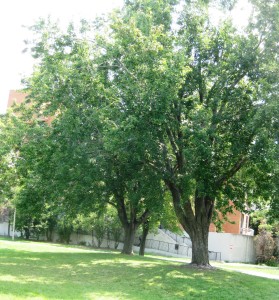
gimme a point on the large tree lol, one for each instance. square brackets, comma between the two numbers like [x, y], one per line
[205, 94]
[93, 157]
[153, 96]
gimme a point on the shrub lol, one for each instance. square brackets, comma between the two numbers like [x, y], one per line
[272, 262]
[64, 229]
[265, 246]
[99, 229]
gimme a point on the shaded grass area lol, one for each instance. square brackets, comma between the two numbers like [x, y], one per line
[46, 271]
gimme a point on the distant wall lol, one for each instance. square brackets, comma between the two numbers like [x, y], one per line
[233, 247]
[4, 228]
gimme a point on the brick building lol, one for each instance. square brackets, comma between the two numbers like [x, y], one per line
[18, 97]
[238, 223]
[15, 97]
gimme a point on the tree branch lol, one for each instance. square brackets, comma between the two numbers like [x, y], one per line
[120, 206]
[143, 217]
[235, 168]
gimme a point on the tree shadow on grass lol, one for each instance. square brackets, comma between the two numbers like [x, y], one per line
[97, 275]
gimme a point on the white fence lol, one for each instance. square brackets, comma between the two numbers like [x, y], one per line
[4, 228]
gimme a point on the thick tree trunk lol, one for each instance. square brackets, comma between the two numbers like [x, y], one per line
[199, 239]
[129, 237]
[143, 238]
[195, 222]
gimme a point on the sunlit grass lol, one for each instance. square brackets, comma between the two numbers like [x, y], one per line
[30, 270]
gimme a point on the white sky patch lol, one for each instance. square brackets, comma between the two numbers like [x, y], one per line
[239, 15]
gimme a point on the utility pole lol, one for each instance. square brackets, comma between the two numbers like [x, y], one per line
[13, 236]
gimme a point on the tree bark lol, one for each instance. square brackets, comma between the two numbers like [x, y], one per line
[131, 224]
[199, 240]
[195, 222]
[129, 237]
[143, 238]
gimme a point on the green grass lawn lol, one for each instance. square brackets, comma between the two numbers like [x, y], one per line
[30, 270]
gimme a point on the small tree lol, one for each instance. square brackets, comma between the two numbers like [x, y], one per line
[94, 223]
[100, 229]
[114, 228]
[265, 244]
[65, 229]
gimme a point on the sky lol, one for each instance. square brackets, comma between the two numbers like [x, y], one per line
[15, 14]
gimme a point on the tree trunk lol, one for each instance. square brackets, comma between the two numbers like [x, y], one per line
[92, 235]
[9, 228]
[129, 232]
[49, 233]
[27, 233]
[199, 240]
[195, 222]
[143, 238]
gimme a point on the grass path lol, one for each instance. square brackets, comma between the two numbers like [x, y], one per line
[30, 270]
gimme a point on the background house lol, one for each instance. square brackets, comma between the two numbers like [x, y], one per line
[238, 223]
[16, 97]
